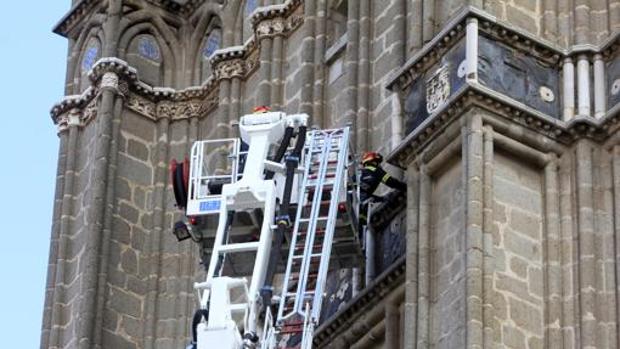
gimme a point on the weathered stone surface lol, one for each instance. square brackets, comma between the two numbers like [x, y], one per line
[524, 271]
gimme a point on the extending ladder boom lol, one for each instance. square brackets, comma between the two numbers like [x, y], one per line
[322, 191]
[230, 303]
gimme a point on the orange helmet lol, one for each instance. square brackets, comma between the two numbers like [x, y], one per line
[371, 156]
[261, 109]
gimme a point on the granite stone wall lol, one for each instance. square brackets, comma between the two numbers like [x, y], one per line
[511, 218]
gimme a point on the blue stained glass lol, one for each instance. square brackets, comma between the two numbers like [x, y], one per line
[212, 43]
[90, 56]
[147, 47]
[250, 5]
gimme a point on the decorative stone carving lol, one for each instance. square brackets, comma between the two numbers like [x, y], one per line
[74, 117]
[546, 94]
[437, 89]
[462, 69]
[615, 87]
[272, 27]
[166, 109]
[123, 87]
[62, 122]
[280, 19]
[141, 106]
[230, 69]
[90, 112]
[109, 80]
[189, 110]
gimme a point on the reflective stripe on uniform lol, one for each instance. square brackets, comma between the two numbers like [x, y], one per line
[385, 178]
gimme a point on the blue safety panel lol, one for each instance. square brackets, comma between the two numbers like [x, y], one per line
[210, 206]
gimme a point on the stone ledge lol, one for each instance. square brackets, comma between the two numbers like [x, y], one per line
[499, 31]
[476, 95]
[356, 307]
[78, 12]
[176, 104]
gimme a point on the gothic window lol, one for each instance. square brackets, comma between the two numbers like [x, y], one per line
[91, 54]
[144, 54]
[250, 6]
[212, 42]
[148, 48]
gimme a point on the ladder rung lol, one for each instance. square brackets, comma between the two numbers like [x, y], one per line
[317, 218]
[303, 246]
[317, 232]
[239, 247]
[322, 203]
[312, 188]
[327, 175]
[329, 162]
[314, 262]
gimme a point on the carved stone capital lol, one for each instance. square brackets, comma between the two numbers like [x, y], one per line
[141, 106]
[166, 109]
[109, 80]
[90, 112]
[228, 69]
[74, 117]
[271, 27]
[62, 123]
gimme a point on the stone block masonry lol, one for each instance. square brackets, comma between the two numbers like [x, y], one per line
[512, 236]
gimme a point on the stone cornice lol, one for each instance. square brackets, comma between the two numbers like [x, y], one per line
[274, 11]
[79, 11]
[355, 308]
[476, 95]
[273, 20]
[241, 61]
[235, 61]
[499, 31]
[76, 14]
[193, 101]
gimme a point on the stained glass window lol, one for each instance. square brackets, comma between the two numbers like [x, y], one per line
[148, 48]
[90, 56]
[212, 43]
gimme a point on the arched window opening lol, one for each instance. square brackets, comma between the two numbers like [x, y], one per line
[211, 43]
[250, 6]
[90, 55]
[148, 48]
[145, 55]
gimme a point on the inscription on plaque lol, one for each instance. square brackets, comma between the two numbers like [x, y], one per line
[437, 89]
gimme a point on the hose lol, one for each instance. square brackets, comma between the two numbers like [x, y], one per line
[288, 134]
[283, 221]
[198, 315]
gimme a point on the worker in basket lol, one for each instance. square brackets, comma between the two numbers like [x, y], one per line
[372, 175]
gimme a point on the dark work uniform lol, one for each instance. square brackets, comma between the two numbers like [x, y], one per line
[370, 179]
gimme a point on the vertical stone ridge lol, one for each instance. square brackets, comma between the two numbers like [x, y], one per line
[424, 262]
[107, 222]
[474, 224]
[491, 328]
[411, 279]
[553, 277]
[587, 266]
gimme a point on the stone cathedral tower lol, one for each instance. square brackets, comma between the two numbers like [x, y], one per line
[503, 116]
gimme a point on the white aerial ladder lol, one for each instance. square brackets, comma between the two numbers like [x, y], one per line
[230, 305]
